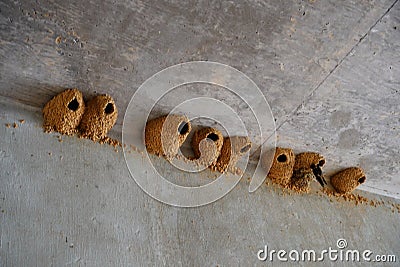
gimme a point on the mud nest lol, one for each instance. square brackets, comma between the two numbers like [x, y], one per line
[212, 137]
[282, 166]
[100, 116]
[64, 112]
[345, 181]
[232, 150]
[165, 135]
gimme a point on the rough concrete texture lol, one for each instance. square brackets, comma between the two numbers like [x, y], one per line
[329, 70]
[352, 118]
[286, 47]
[74, 203]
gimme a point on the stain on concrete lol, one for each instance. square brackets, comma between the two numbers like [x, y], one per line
[340, 119]
[349, 138]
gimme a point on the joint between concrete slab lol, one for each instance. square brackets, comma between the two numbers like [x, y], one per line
[336, 66]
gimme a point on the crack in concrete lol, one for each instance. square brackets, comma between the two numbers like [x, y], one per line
[306, 100]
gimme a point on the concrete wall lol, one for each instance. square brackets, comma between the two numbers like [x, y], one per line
[329, 70]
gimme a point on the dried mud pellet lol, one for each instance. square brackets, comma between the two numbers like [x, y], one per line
[165, 135]
[301, 179]
[282, 166]
[348, 179]
[64, 112]
[209, 134]
[100, 116]
[232, 150]
[308, 159]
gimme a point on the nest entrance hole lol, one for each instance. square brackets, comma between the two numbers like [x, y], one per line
[73, 105]
[183, 128]
[214, 137]
[109, 108]
[282, 158]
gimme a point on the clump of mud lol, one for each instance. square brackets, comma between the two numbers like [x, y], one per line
[64, 112]
[307, 159]
[214, 137]
[282, 166]
[301, 180]
[165, 135]
[99, 117]
[232, 150]
[348, 179]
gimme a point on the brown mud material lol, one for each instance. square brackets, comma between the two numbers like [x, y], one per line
[313, 161]
[307, 159]
[64, 112]
[357, 199]
[99, 117]
[214, 137]
[348, 179]
[301, 180]
[354, 198]
[205, 160]
[165, 135]
[232, 150]
[110, 141]
[282, 166]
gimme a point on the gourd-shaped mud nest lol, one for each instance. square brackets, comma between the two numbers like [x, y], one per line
[212, 137]
[165, 135]
[232, 150]
[347, 180]
[282, 166]
[99, 117]
[64, 112]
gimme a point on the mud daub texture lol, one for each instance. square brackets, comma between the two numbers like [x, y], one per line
[282, 166]
[308, 159]
[214, 138]
[99, 117]
[308, 165]
[348, 179]
[232, 149]
[64, 112]
[165, 135]
[301, 179]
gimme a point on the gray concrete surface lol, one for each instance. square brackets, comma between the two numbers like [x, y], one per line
[73, 203]
[353, 117]
[292, 50]
[330, 71]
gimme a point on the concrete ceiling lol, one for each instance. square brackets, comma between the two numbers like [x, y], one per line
[329, 71]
